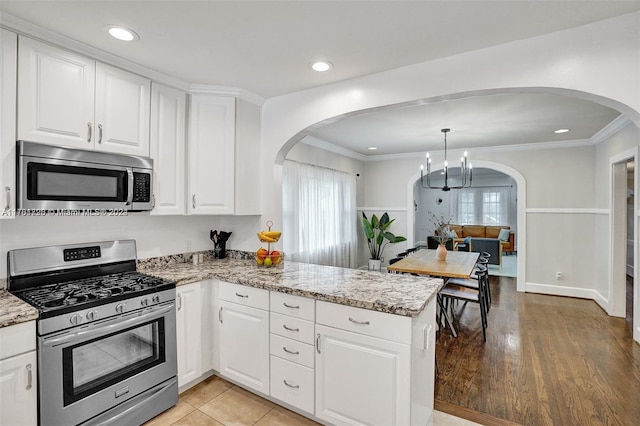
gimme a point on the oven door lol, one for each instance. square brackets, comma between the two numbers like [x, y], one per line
[52, 184]
[88, 370]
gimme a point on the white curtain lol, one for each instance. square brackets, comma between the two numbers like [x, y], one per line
[320, 218]
[486, 205]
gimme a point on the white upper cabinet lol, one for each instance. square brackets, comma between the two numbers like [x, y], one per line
[68, 99]
[248, 190]
[122, 111]
[8, 58]
[211, 155]
[168, 149]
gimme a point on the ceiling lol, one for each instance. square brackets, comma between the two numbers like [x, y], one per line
[265, 47]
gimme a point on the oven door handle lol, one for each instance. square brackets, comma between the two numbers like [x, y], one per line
[99, 329]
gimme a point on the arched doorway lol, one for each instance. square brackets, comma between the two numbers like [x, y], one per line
[521, 212]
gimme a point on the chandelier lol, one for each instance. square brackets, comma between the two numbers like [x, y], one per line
[464, 170]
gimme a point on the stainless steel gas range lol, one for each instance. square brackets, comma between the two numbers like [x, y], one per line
[106, 333]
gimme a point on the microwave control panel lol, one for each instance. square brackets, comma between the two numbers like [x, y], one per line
[141, 187]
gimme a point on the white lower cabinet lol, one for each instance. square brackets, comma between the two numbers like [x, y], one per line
[244, 336]
[18, 375]
[188, 332]
[292, 383]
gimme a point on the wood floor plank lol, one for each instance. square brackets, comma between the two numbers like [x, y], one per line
[548, 360]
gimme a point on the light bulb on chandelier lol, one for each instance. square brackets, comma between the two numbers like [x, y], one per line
[465, 169]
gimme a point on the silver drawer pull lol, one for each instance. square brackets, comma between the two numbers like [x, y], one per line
[359, 322]
[29, 377]
[291, 386]
[290, 306]
[318, 343]
[289, 328]
[242, 295]
[220, 315]
[89, 132]
[284, 348]
[99, 133]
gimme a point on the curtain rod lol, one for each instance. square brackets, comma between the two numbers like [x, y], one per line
[322, 167]
[477, 186]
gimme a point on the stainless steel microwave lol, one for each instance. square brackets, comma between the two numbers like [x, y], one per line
[61, 178]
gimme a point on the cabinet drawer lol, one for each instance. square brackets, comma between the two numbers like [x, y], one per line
[17, 339]
[371, 323]
[292, 350]
[293, 384]
[293, 328]
[243, 295]
[295, 306]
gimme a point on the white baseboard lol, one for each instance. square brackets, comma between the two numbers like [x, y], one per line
[601, 301]
[556, 290]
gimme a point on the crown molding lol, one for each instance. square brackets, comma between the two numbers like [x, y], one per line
[617, 124]
[210, 89]
[327, 146]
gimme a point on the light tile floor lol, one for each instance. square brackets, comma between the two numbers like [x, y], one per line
[216, 402]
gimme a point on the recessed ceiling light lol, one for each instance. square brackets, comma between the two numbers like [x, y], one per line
[321, 66]
[561, 131]
[122, 33]
[372, 148]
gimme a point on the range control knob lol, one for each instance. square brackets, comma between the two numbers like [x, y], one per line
[92, 315]
[156, 298]
[120, 308]
[75, 319]
[145, 301]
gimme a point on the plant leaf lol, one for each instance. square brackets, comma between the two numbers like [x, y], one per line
[368, 229]
[375, 223]
[384, 219]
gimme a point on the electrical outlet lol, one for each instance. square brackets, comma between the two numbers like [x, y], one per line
[188, 244]
[558, 275]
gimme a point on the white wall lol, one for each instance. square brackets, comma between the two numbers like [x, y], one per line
[557, 180]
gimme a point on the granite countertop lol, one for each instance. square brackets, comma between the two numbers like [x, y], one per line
[398, 294]
[14, 310]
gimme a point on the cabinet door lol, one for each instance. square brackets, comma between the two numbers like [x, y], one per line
[122, 111]
[361, 379]
[55, 95]
[8, 58]
[244, 345]
[211, 155]
[248, 197]
[19, 390]
[188, 332]
[168, 149]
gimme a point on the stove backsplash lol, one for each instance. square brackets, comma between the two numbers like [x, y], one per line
[172, 259]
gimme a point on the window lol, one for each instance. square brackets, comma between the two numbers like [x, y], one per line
[320, 217]
[482, 206]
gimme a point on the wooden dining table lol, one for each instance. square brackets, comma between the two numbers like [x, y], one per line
[458, 264]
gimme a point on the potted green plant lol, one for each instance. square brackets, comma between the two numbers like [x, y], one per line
[378, 237]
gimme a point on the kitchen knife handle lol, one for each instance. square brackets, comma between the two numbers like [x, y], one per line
[29, 376]
[89, 132]
[99, 133]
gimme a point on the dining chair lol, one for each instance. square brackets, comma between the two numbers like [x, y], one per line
[452, 291]
[391, 262]
[474, 282]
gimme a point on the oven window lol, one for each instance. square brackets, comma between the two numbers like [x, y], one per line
[71, 183]
[97, 364]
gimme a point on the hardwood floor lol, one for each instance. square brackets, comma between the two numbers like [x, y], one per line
[547, 361]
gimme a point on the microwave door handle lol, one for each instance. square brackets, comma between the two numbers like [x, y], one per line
[101, 329]
[130, 188]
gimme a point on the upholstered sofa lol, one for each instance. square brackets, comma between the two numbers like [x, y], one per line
[481, 231]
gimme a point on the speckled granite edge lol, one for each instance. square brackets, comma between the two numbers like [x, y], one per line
[398, 294]
[173, 259]
[14, 310]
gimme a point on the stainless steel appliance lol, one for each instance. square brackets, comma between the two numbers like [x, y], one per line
[106, 333]
[59, 178]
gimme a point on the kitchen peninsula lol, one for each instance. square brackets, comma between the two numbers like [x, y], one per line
[338, 345]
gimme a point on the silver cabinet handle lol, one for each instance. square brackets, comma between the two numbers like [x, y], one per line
[359, 322]
[318, 343]
[284, 348]
[99, 133]
[289, 328]
[89, 132]
[179, 301]
[290, 306]
[220, 315]
[153, 205]
[29, 377]
[246, 296]
[193, 201]
[7, 197]
[291, 386]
